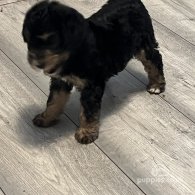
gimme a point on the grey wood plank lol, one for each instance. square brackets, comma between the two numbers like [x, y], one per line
[143, 137]
[188, 6]
[1, 192]
[4, 2]
[177, 15]
[142, 134]
[40, 161]
[87, 7]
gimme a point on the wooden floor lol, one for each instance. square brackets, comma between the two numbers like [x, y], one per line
[146, 143]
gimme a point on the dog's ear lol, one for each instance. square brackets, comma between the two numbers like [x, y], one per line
[36, 16]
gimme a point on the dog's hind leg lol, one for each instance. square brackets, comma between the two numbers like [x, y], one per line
[59, 95]
[153, 65]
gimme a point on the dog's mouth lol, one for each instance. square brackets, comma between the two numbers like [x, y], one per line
[47, 61]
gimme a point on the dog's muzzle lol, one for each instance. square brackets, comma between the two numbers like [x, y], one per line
[34, 61]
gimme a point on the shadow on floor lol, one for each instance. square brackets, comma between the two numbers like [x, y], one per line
[119, 92]
[36, 136]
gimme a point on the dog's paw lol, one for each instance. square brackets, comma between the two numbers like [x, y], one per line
[42, 121]
[85, 136]
[156, 88]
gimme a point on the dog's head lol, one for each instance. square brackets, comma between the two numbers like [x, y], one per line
[52, 31]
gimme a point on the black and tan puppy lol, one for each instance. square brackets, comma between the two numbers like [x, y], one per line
[85, 53]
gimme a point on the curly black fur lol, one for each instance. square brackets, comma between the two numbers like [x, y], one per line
[97, 47]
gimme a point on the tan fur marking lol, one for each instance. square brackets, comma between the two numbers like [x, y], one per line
[45, 36]
[153, 73]
[88, 130]
[54, 109]
[76, 81]
[52, 60]
[92, 124]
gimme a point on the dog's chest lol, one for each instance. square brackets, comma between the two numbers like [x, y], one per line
[72, 79]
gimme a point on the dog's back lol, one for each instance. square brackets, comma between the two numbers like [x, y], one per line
[129, 15]
[122, 27]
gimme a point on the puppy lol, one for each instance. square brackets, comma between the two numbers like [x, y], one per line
[85, 53]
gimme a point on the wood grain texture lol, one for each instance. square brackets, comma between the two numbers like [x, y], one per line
[86, 7]
[1, 192]
[47, 161]
[146, 137]
[4, 2]
[177, 15]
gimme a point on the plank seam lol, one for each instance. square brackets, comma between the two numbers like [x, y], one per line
[169, 103]
[2, 191]
[119, 168]
[173, 32]
[76, 126]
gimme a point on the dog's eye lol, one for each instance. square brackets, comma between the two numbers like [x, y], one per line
[45, 36]
[47, 41]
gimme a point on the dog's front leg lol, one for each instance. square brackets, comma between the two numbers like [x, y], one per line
[91, 97]
[59, 95]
